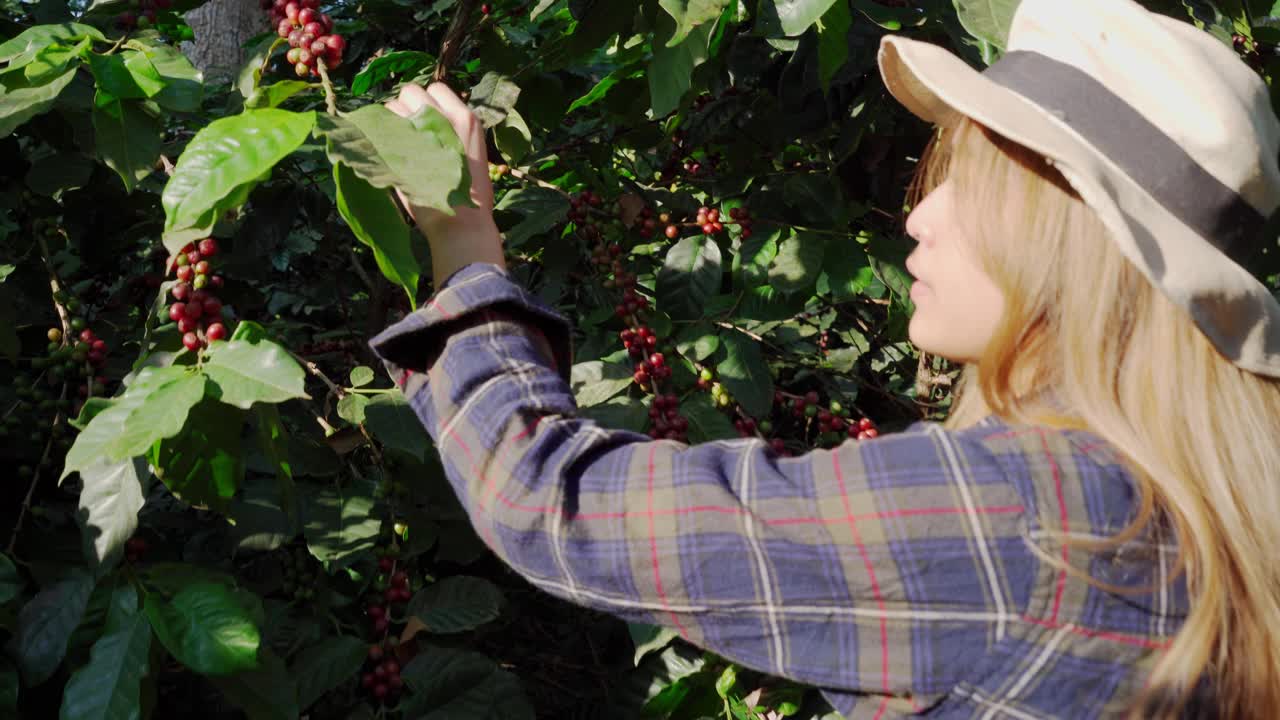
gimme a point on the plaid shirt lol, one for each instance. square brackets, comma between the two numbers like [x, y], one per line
[902, 575]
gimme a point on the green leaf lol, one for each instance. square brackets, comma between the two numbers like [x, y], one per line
[689, 14]
[795, 16]
[456, 604]
[58, 172]
[109, 686]
[697, 342]
[394, 424]
[339, 523]
[267, 692]
[690, 275]
[51, 61]
[603, 87]
[274, 442]
[541, 208]
[706, 423]
[596, 381]
[351, 408]
[19, 104]
[183, 89]
[11, 583]
[8, 686]
[127, 139]
[275, 93]
[45, 625]
[493, 97]
[206, 628]
[620, 413]
[833, 41]
[226, 156]
[108, 508]
[402, 62]
[361, 375]
[671, 70]
[421, 155]
[648, 638]
[513, 137]
[204, 464]
[798, 263]
[377, 222]
[987, 20]
[324, 666]
[31, 40]
[745, 373]
[154, 407]
[453, 684]
[252, 372]
[114, 77]
[848, 271]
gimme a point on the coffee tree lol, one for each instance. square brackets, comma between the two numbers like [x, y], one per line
[219, 508]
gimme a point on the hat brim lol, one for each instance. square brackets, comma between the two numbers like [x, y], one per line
[1236, 312]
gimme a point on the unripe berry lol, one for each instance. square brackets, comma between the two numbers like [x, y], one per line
[301, 69]
[55, 335]
[200, 281]
[292, 58]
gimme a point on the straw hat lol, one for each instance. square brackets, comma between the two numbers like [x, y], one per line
[1159, 127]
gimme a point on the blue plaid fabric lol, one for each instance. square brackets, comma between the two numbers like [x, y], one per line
[919, 573]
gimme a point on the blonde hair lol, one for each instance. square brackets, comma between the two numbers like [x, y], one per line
[1199, 434]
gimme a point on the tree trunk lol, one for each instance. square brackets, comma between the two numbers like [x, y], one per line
[221, 28]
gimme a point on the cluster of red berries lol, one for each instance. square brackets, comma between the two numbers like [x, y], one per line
[135, 549]
[196, 310]
[639, 342]
[145, 17]
[309, 32]
[645, 224]
[381, 677]
[579, 204]
[652, 368]
[395, 591]
[665, 420]
[708, 221]
[1251, 51]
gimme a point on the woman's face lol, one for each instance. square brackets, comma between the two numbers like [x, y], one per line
[957, 305]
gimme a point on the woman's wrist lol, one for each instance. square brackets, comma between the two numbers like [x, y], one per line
[455, 247]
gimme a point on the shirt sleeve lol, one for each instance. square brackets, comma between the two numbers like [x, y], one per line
[884, 566]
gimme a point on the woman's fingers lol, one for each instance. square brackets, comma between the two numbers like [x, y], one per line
[398, 108]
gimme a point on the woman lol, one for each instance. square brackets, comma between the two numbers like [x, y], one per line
[1093, 531]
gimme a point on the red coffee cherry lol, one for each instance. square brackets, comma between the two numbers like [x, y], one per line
[215, 332]
[191, 342]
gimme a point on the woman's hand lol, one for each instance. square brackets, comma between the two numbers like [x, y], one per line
[471, 235]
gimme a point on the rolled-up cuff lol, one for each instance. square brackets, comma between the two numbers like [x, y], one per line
[471, 296]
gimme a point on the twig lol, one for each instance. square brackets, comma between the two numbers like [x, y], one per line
[266, 59]
[330, 100]
[453, 39]
[355, 265]
[26, 501]
[522, 175]
[314, 369]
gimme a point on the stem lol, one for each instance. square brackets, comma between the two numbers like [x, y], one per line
[330, 100]
[26, 501]
[266, 59]
[312, 368]
[453, 39]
